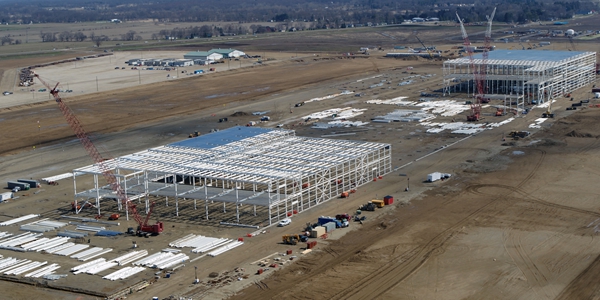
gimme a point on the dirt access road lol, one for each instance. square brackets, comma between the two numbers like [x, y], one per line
[519, 225]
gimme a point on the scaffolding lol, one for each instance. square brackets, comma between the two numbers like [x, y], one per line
[527, 76]
[270, 169]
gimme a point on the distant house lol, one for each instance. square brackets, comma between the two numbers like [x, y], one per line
[418, 20]
[228, 53]
[115, 21]
[203, 55]
[433, 19]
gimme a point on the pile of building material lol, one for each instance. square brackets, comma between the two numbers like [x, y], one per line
[93, 267]
[26, 77]
[336, 113]
[90, 228]
[129, 257]
[44, 244]
[394, 101]
[13, 242]
[4, 234]
[537, 123]
[333, 124]
[328, 97]
[23, 267]
[70, 250]
[91, 253]
[225, 248]
[42, 226]
[72, 234]
[403, 115]
[20, 219]
[123, 273]
[200, 243]
[162, 260]
[48, 270]
[455, 127]
[446, 108]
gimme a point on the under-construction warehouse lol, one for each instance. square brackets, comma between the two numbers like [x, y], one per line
[531, 76]
[268, 173]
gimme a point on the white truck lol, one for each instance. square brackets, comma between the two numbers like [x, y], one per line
[435, 176]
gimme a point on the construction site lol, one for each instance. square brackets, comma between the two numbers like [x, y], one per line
[457, 177]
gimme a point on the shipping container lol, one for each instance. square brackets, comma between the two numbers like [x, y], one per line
[32, 183]
[434, 176]
[5, 196]
[22, 185]
[329, 227]
[317, 232]
[388, 200]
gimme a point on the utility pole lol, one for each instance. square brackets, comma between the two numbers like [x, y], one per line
[196, 274]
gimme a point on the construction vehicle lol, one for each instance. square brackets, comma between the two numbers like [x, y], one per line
[518, 134]
[378, 203]
[499, 112]
[103, 167]
[195, 134]
[422, 44]
[368, 207]
[293, 239]
[114, 217]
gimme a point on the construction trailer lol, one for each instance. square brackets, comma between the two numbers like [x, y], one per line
[524, 75]
[238, 176]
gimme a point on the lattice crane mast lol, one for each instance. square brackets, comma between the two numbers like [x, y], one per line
[107, 172]
[422, 44]
[486, 50]
[476, 105]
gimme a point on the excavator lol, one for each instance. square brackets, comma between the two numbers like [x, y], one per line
[293, 239]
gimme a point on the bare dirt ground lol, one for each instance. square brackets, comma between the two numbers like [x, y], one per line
[516, 220]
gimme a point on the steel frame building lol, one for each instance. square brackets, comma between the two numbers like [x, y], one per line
[238, 166]
[525, 75]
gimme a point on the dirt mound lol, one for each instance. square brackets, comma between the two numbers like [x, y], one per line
[239, 114]
[579, 134]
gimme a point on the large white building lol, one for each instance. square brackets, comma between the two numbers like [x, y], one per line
[203, 55]
[241, 175]
[529, 75]
[228, 53]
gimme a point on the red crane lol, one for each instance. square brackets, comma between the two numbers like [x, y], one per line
[476, 105]
[107, 172]
[487, 47]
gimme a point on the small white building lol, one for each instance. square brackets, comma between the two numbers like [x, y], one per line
[183, 62]
[203, 55]
[6, 196]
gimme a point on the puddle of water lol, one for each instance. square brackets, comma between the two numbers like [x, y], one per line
[518, 152]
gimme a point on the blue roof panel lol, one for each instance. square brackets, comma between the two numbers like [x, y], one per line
[531, 55]
[222, 137]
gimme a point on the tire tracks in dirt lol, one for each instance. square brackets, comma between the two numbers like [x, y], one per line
[377, 283]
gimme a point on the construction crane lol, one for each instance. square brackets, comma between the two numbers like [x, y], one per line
[422, 44]
[487, 47]
[572, 43]
[107, 172]
[476, 105]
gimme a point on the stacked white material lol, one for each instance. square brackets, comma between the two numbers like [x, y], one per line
[90, 256]
[49, 225]
[43, 271]
[88, 264]
[87, 252]
[34, 243]
[537, 123]
[20, 239]
[14, 265]
[225, 248]
[60, 247]
[194, 242]
[100, 267]
[124, 273]
[341, 113]
[171, 261]
[54, 276]
[152, 259]
[90, 228]
[494, 125]
[129, 257]
[4, 234]
[328, 97]
[211, 246]
[26, 268]
[10, 262]
[54, 242]
[71, 250]
[174, 251]
[20, 219]
[177, 242]
[395, 101]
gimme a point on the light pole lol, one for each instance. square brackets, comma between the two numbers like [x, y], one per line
[196, 274]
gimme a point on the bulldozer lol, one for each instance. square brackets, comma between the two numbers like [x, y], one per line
[293, 239]
[518, 134]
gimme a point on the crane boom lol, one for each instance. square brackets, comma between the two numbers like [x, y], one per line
[475, 106]
[422, 44]
[486, 50]
[106, 171]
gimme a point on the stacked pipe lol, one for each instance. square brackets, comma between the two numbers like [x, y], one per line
[72, 234]
[100, 267]
[90, 228]
[17, 220]
[211, 245]
[152, 259]
[54, 276]
[90, 220]
[9, 262]
[177, 242]
[93, 267]
[4, 234]
[59, 247]
[42, 226]
[16, 264]
[43, 271]
[19, 240]
[225, 248]
[96, 254]
[87, 264]
[124, 273]
[171, 261]
[129, 257]
[57, 241]
[25, 268]
[71, 250]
